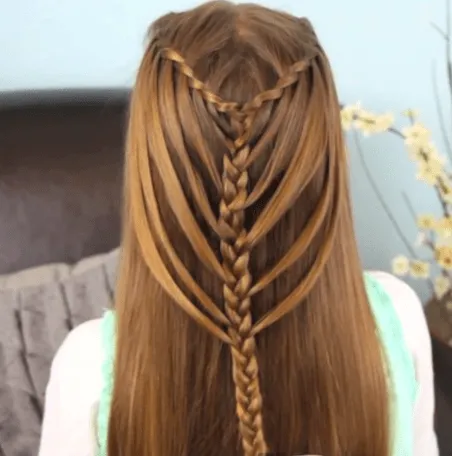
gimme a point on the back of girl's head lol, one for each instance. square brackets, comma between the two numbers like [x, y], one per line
[241, 309]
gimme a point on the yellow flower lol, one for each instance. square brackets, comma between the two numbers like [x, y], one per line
[430, 171]
[346, 120]
[400, 265]
[442, 286]
[416, 153]
[384, 122]
[411, 113]
[431, 152]
[420, 269]
[348, 114]
[426, 222]
[425, 152]
[416, 135]
[366, 122]
[443, 255]
[444, 227]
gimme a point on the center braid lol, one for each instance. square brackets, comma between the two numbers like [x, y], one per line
[238, 282]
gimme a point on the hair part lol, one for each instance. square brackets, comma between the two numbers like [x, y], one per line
[238, 254]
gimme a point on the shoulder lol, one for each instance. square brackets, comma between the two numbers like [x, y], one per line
[410, 312]
[82, 343]
[417, 338]
[396, 287]
[73, 394]
[77, 365]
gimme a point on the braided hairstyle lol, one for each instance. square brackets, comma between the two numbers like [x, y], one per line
[212, 170]
[235, 249]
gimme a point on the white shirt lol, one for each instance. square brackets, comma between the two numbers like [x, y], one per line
[76, 381]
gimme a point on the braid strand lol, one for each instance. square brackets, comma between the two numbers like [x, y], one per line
[236, 293]
[230, 106]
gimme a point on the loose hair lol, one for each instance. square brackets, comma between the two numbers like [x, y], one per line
[243, 325]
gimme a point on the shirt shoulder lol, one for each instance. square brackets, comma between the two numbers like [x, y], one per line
[411, 314]
[81, 352]
[409, 310]
[73, 391]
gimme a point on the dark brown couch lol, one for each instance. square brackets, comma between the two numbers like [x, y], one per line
[60, 176]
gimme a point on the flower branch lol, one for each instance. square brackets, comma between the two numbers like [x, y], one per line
[435, 233]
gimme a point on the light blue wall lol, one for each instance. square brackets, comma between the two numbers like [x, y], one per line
[381, 51]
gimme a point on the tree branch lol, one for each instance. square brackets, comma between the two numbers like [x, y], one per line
[440, 114]
[446, 36]
[448, 59]
[439, 30]
[410, 207]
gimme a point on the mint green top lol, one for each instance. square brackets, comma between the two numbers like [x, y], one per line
[400, 369]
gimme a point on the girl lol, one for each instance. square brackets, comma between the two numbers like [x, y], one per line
[243, 323]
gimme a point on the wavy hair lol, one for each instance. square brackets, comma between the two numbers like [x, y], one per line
[243, 325]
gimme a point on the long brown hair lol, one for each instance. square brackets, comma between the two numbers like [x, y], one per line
[243, 326]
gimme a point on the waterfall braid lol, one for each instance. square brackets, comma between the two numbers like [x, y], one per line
[237, 221]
